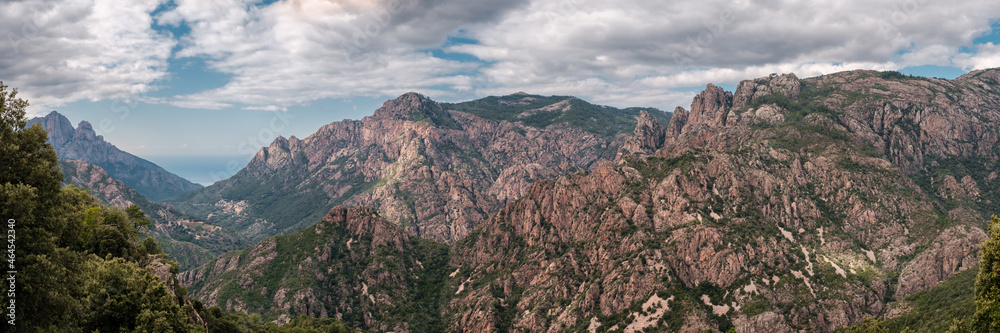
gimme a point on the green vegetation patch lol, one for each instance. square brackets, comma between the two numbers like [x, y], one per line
[597, 119]
[933, 310]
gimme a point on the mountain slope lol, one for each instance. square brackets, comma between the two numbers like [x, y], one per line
[437, 172]
[791, 204]
[186, 239]
[84, 144]
[353, 265]
[788, 205]
[933, 310]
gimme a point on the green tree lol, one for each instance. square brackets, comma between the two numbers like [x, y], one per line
[120, 295]
[959, 326]
[870, 325]
[987, 317]
[151, 246]
[31, 197]
[60, 286]
[109, 241]
[140, 222]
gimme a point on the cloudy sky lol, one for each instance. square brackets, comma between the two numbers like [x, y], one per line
[196, 77]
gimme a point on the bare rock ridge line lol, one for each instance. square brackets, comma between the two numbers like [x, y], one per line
[788, 205]
[436, 169]
[84, 144]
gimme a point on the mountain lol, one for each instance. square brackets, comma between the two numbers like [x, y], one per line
[394, 278]
[789, 204]
[786, 205]
[188, 240]
[84, 144]
[436, 169]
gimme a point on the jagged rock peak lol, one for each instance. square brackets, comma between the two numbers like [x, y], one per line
[365, 221]
[279, 142]
[86, 131]
[60, 128]
[647, 137]
[787, 85]
[412, 106]
[277, 155]
[709, 108]
[404, 105]
[677, 122]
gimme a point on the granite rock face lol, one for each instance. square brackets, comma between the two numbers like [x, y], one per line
[648, 136]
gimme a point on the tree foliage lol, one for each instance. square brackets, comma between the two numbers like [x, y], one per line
[870, 325]
[987, 317]
[218, 321]
[79, 263]
[122, 295]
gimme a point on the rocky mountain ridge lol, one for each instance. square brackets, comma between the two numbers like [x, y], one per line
[786, 205]
[422, 164]
[791, 204]
[84, 144]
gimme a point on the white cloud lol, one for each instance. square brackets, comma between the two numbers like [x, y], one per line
[634, 47]
[294, 52]
[987, 56]
[57, 52]
[628, 52]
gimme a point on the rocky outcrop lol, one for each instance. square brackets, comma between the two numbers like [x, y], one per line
[953, 251]
[785, 85]
[710, 108]
[764, 322]
[84, 144]
[647, 138]
[365, 222]
[677, 121]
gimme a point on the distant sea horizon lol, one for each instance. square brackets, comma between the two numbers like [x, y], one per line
[202, 169]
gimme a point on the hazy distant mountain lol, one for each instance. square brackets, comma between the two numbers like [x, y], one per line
[84, 144]
[788, 205]
[436, 169]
